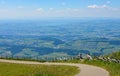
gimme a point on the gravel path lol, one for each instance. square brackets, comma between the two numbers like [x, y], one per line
[85, 70]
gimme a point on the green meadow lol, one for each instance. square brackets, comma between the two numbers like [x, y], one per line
[10, 69]
[112, 68]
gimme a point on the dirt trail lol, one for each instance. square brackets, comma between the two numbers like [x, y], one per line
[85, 70]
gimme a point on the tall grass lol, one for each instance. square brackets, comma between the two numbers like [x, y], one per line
[113, 68]
[10, 69]
[115, 55]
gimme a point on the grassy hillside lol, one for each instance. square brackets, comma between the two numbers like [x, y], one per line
[113, 68]
[9, 69]
[115, 55]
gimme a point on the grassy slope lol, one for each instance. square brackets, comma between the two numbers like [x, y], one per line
[113, 68]
[115, 55]
[9, 69]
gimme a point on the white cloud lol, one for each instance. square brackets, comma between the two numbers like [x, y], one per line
[97, 6]
[67, 12]
[114, 9]
[51, 9]
[39, 9]
[93, 6]
[103, 7]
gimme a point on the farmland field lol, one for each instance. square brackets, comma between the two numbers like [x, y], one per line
[49, 39]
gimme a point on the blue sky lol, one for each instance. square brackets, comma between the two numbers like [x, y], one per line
[18, 9]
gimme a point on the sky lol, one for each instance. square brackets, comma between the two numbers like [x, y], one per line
[20, 9]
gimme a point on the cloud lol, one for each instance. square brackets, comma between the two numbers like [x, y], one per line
[66, 12]
[39, 9]
[92, 6]
[114, 9]
[97, 6]
[51, 9]
[106, 7]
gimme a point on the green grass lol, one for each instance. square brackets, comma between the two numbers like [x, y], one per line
[115, 55]
[113, 68]
[10, 69]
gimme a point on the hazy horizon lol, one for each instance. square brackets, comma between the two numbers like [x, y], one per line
[29, 9]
